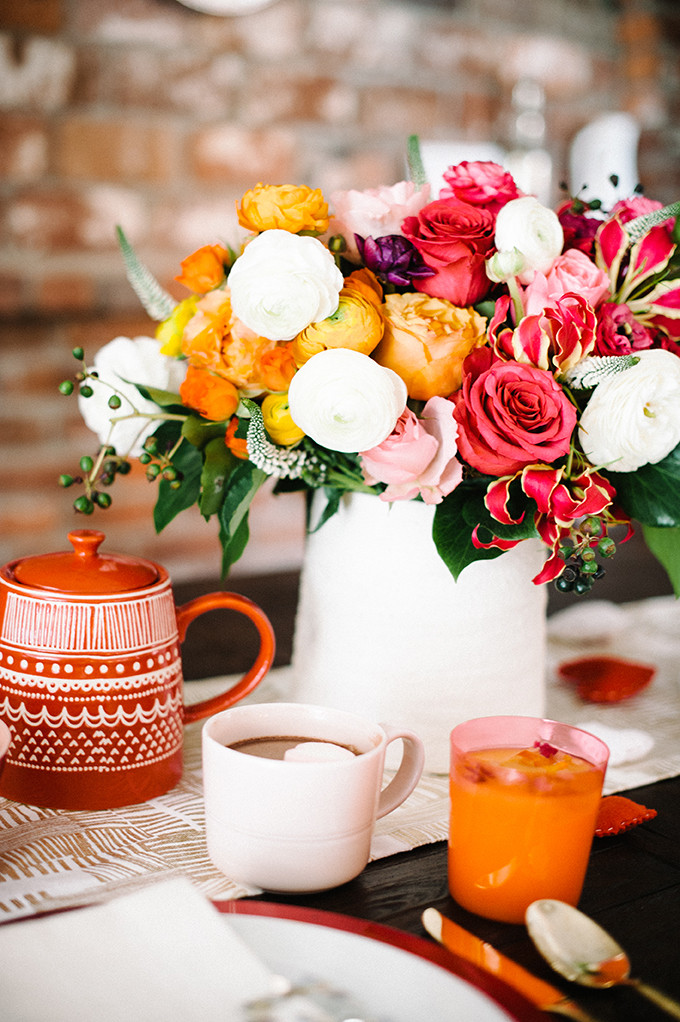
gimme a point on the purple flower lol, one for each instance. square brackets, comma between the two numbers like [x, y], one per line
[393, 259]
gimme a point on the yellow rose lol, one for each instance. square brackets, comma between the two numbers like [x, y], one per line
[293, 208]
[356, 323]
[426, 341]
[278, 421]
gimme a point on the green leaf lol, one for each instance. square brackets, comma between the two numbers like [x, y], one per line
[158, 302]
[244, 482]
[464, 510]
[651, 495]
[218, 462]
[164, 398]
[171, 502]
[200, 432]
[665, 545]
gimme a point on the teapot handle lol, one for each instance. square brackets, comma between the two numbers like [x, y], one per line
[265, 657]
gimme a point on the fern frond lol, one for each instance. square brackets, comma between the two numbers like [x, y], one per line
[414, 160]
[156, 300]
[638, 227]
[590, 371]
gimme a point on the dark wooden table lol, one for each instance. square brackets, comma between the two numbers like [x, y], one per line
[632, 887]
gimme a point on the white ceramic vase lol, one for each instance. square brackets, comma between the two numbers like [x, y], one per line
[385, 631]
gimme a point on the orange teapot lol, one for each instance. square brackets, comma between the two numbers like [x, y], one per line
[91, 676]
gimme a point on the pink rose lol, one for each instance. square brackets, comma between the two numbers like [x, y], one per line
[481, 183]
[619, 332]
[572, 271]
[375, 212]
[454, 238]
[419, 456]
[510, 415]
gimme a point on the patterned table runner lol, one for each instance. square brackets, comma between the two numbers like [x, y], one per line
[53, 858]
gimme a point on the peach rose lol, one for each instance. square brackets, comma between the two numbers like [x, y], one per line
[291, 208]
[426, 341]
[205, 268]
[212, 396]
[216, 339]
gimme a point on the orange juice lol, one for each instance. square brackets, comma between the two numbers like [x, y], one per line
[522, 823]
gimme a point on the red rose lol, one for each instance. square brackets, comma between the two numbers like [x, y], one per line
[510, 415]
[454, 239]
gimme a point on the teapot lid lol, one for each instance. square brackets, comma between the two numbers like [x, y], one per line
[84, 569]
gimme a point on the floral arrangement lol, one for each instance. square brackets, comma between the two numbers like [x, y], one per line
[514, 366]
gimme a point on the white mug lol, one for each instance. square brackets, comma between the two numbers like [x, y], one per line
[299, 825]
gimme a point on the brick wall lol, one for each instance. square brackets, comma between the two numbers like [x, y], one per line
[151, 115]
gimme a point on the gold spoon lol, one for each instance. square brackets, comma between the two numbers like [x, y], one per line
[581, 951]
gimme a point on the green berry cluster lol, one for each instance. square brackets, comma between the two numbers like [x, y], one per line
[159, 463]
[96, 472]
[587, 543]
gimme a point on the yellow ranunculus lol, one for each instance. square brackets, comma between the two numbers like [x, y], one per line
[278, 421]
[170, 331]
[426, 341]
[356, 324]
[293, 208]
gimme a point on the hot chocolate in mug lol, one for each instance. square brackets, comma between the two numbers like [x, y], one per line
[91, 676]
[303, 822]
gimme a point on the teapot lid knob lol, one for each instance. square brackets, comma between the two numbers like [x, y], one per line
[84, 570]
[86, 542]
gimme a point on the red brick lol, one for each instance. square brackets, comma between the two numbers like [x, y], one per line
[32, 15]
[23, 151]
[12, 297]
[66, 293]
[229, 153]
[388, 111]
[46, 218]
[89, 148]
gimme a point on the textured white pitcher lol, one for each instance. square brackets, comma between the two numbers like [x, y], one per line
[383, 629]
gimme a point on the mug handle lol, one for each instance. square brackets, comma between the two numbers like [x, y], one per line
[409, 772]
[265, 657]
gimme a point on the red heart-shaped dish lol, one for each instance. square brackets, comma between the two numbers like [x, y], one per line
[606, 679]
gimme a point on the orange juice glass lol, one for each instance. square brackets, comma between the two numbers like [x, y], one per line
[525, 793]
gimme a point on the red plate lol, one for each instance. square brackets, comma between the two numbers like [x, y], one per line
[606, 679]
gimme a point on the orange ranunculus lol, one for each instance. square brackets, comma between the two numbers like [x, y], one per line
[276, 368]
[236, 444]
[213, 396]
[204, 269]
[293, 208]
[425, 342]
[215, 339]
[278, 421]
[357, 323]
[367, 283]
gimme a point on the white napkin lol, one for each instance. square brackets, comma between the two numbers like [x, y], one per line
[163, 954]
[626, 745]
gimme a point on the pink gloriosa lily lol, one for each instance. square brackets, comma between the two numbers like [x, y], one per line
[560, 501]
[555, 340]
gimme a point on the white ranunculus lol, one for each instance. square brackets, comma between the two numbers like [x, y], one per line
[633, 417]
[533, 230]
[120, 364]
[283, 282]
[346, 401]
